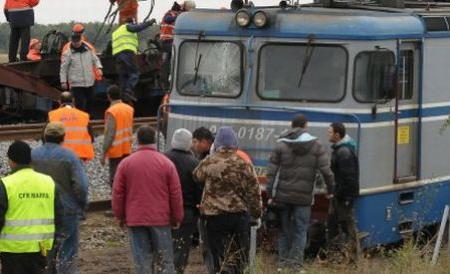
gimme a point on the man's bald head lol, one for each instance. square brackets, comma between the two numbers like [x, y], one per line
[66, 98]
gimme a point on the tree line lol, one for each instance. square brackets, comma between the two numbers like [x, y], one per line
[39, 31]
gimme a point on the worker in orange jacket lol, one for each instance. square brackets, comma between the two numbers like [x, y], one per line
[78, 137]
[34, 53]
[118, 131]
[20, 15]
[127, 9]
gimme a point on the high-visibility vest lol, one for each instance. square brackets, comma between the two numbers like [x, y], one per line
[166, 32]
[123, 117]
[34, 55]
[30, 218]
[122, 39]
[77, 137]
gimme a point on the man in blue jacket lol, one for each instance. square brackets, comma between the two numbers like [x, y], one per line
[69, 175]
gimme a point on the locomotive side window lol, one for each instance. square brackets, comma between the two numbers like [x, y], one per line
[374, 76]
[302, 72]
[406, 74]
[208, 68]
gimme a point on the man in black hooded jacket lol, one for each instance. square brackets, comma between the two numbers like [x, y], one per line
[345, 166]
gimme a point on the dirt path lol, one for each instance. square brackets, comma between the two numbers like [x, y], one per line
[104, 248]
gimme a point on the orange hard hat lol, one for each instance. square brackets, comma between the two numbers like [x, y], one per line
[78, 28]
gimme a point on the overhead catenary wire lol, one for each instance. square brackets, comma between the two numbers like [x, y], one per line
[111, 16]
[109, 19]
[152, 6]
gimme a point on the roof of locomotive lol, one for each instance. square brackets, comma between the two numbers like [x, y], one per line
[322, 23]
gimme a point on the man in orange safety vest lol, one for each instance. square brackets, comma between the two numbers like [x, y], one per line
[118, 131]
[78, 137]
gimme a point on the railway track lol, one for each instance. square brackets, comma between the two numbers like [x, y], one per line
[34, 131]
[99, 205]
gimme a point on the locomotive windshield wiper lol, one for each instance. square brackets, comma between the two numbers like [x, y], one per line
[198, 58]
[306, 60]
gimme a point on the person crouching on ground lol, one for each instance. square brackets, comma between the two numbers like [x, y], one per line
[147, 199]
[231, 192]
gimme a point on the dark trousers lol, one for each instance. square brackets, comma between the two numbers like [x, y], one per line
[17, 35]
[22, 263]
[229, 239]
[128, 71]
[342, 227]
[113, 164]
[206, 247]
[341, 220]
[83, 97]
[182, 239]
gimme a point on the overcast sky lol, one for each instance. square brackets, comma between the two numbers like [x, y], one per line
[56, 11]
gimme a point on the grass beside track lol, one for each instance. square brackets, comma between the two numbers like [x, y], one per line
[407, 259]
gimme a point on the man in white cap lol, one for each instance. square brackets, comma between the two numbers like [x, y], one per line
[185, 163]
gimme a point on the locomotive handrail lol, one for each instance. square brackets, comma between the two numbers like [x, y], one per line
[352, 115]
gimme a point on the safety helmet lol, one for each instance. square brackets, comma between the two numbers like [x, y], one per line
[78, 28]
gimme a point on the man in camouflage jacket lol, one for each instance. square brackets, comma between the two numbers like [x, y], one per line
[231, 193]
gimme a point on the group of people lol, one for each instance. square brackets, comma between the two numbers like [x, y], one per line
[203, 183]
[81, 67]
[44, 198]
[217, 193]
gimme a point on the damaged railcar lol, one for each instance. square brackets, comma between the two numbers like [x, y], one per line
[35, 86]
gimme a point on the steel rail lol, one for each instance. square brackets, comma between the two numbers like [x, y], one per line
[99, 205]
[34, 131]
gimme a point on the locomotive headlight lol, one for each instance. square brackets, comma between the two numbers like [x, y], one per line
[260, 19]
[242, 18]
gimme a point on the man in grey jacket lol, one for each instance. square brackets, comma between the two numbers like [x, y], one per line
[78, 64]
[297, 158]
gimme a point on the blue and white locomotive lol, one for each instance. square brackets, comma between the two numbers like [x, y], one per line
[383, 71]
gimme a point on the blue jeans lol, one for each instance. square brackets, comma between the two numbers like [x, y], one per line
[148, 242]
[65, 252]
[292, 238]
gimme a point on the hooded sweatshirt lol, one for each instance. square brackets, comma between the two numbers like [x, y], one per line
[345, 166]
[298, 156]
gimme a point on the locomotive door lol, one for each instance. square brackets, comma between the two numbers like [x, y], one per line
[406, 113]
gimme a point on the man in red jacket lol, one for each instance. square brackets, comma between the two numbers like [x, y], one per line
[20, 15]
[147, 199]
